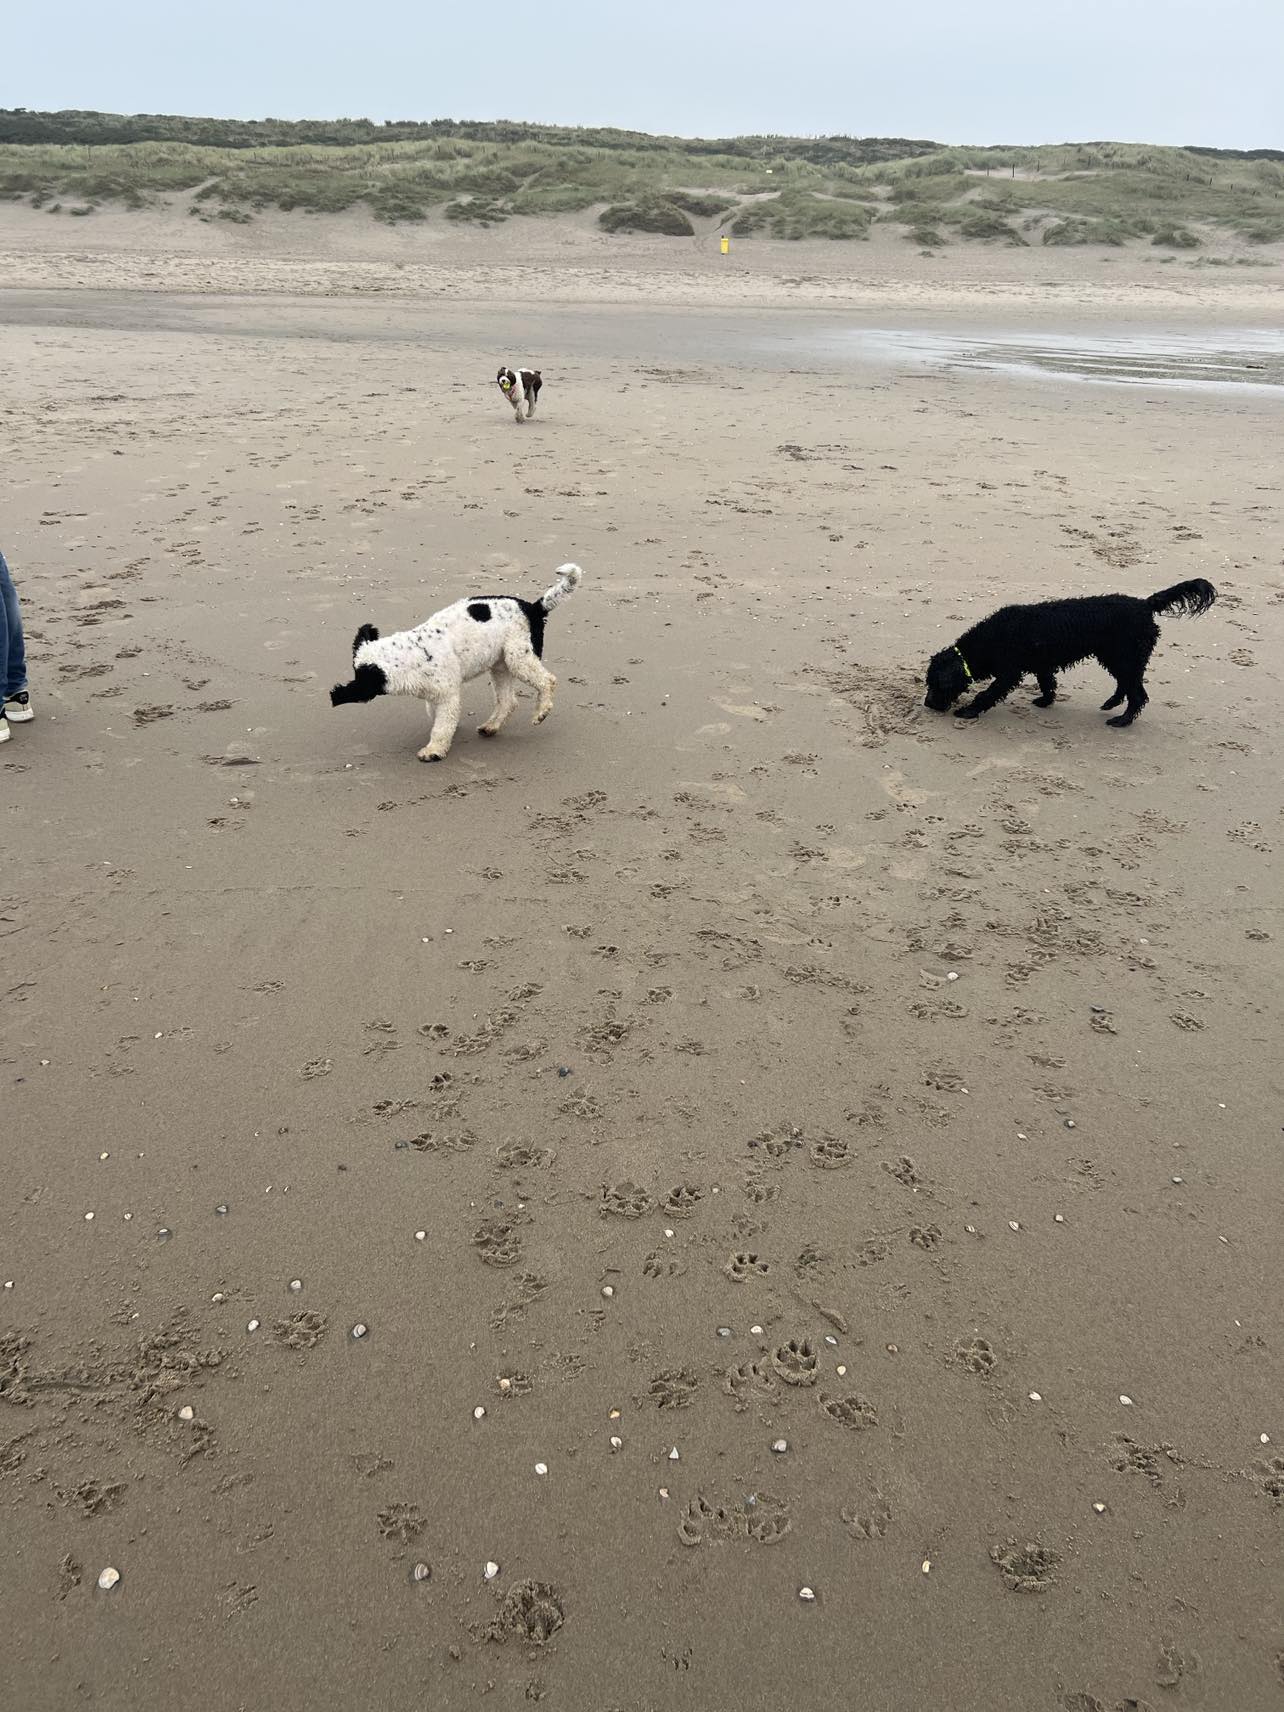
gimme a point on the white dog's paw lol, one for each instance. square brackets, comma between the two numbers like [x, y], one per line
[430, 755]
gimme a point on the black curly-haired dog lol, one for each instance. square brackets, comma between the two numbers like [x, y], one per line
[1118, 630]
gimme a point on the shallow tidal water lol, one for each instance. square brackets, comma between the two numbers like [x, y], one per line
[1219, 358]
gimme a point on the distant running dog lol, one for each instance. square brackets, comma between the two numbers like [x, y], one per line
[520, 387]
[1118, 630]
[502, 635]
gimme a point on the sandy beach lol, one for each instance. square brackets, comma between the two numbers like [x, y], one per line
[770, 1137]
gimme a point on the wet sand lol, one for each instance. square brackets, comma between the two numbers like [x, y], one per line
[745, 1056]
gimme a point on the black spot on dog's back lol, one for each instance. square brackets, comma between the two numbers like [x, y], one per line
[535, 615]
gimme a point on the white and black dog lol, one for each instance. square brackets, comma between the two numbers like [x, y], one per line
[520, 387]
[502, 635]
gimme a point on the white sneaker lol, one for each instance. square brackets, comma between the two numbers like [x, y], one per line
[18, 708]
[5, 733]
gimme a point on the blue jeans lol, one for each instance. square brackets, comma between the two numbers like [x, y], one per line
[13, 656]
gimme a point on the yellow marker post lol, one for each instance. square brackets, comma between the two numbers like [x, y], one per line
[726, 246]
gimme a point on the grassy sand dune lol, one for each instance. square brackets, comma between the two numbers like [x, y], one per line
[781, 187]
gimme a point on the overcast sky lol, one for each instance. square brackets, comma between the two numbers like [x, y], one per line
[1160, 71]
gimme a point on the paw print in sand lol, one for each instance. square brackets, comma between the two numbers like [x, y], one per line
[625, 1201]
[750, 1382]
[497, 1242]
[795, 1362]
[300, 1331]
[830, 1154]
[850, 1411]
[977, 1357]
[744, 1265]
[868, 1521]
[779, 1142]
[532, 1613]
[673, 1388]
[682, 1200]
[401, 1522]
[1028, 1568]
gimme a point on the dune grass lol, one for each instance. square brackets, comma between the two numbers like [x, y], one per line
[784, 187]
[1103, 193]
[702, 207]
[656, 215]
[796, 214]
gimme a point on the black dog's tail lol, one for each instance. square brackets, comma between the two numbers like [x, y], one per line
[1192, 598]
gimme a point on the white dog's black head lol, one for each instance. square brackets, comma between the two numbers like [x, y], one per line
[506, 381]
[368, 681]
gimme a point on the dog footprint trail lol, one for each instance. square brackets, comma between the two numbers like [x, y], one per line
[976, 1355]
[400, 1523]
[1179, 1672]
[673, 1388]
[906, 1173]
[873, 1251]
[523, 1156]
[1026, 1567]
[870, 1517]
[498, 1240]
[1268, 1475]
[831, 1153]
[769, 1152]
[301, 1331]
[759, 1517]
[752, 1385]
[795, 1363]
[745, 1264]
[662, 1263]
[103, 1422]
[527, 1289]
[682, 1200]
[532, 1613]
[853, 1411]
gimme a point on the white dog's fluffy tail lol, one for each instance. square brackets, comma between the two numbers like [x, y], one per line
[568, 580]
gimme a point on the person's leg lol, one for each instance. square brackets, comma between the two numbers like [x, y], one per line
[13, 658]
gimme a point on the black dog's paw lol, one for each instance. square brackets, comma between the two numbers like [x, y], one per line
[1120, 720]
[1044, 700]
[967, 713]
